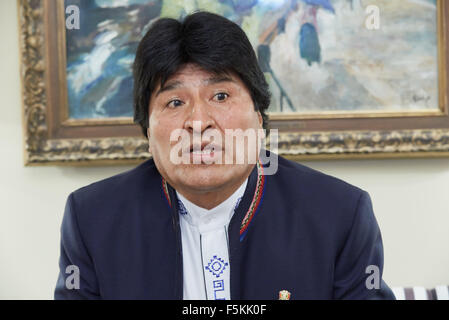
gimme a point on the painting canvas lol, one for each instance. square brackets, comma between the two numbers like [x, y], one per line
[349, 78]
[318, 55]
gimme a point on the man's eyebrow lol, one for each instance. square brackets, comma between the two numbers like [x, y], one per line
[210, 81]
[218, 79]
[170, 86]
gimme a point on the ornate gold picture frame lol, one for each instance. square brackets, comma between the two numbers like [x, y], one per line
[51, 136]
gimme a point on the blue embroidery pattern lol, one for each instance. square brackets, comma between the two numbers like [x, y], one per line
[182, 209]
[218, 286]
[216, 266]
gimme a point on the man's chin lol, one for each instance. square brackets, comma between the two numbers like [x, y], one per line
[206, 177]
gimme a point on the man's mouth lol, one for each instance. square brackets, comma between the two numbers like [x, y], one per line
[205, 153]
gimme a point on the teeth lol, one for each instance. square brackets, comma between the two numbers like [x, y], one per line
[203, 152]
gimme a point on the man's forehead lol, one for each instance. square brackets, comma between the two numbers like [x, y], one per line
[190, 69]
[193, 74]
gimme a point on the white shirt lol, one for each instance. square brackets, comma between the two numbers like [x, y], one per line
[205, 247]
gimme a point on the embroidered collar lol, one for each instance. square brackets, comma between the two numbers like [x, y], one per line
[254, 206]
[215, 218]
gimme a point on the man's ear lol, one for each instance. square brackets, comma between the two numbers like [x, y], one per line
[260, 119]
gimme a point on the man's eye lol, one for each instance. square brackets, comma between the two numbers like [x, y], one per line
[221, 96]
[174, 103]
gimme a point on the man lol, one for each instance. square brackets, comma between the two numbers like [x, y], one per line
[213, 227]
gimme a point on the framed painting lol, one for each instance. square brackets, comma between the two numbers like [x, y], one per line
[349, 78]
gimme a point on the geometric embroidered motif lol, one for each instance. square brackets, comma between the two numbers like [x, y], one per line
[216, 266]
[182, 209]
[218, 286]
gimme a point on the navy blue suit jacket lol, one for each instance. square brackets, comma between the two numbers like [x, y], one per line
[312, 234]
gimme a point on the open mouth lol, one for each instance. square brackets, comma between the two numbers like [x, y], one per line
[204, 153]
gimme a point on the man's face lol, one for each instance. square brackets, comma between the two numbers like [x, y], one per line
[200, 102]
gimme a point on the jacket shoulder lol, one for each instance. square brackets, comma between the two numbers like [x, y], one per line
[319, 199]
[314, 180]
[135, 181]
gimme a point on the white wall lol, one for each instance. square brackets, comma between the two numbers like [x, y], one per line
[411, 199]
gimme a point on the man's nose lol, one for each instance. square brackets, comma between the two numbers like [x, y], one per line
[199, 118]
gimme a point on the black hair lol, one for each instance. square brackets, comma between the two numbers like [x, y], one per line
[210, 41]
